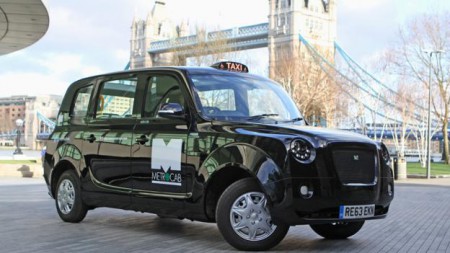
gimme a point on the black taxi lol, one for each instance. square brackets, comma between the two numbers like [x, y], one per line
[213, 144]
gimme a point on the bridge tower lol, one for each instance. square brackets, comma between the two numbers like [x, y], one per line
[157, 26]
[315, 20]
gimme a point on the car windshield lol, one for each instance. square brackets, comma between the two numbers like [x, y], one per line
[243, 98]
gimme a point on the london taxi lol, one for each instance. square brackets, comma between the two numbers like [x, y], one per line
[213, 144]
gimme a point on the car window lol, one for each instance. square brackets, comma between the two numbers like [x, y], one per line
[258, 99]
[116, 98]
[222, 99]
[81, 102]
[243, 98]
[160, 90]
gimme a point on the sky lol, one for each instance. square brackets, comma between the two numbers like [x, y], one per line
[88, 37]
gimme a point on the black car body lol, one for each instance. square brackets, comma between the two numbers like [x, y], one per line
[174, 140]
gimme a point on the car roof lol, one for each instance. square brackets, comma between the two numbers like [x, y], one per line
[71, 90]
[188, 69]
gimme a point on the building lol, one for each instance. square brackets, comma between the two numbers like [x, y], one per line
[11, 109]
[315, 20]
[157, 26]
[297, 32]
[27, 108]
[22, 23]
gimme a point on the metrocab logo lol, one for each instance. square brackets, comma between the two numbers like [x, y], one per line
[166, 162]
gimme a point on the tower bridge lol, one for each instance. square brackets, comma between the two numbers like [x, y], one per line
[239, 38]
[156, 41]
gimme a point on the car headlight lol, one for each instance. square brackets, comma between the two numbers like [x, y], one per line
[385, 153]
[303, 151]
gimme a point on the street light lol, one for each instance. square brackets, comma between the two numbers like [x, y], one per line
[19, 124]
[430, 54]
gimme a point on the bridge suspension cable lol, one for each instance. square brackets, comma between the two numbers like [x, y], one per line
[365, 87]
[350, 61]
[320, 60]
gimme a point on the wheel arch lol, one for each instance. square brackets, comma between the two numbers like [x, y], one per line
[217, 184]
[253, 162]
[58, 170]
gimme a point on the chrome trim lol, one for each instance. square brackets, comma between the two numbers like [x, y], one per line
[359, 184]
[96, 182]
[139, 192]
[164, 194]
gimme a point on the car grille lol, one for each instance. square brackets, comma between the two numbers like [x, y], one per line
[355, 165]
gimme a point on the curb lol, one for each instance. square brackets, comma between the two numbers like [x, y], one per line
[423, 176]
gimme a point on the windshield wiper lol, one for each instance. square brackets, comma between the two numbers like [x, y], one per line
[292, 120]
[260, 116]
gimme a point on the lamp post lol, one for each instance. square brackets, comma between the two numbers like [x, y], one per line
[19, 124]
[430, 54]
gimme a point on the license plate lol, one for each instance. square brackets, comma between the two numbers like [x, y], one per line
[356, 212]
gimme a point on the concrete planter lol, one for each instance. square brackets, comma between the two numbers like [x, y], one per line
[21, 170]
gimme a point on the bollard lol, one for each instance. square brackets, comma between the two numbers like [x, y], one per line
[401, 167]
[395, 165]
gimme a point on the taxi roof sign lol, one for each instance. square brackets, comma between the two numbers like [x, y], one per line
[230, 66]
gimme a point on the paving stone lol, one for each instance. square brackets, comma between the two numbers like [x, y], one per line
[418, 221]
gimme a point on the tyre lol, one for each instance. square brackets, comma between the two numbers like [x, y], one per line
[68, 200]
[338, 230]
[244, 220]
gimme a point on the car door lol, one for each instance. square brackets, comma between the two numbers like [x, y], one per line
[107, 142]
[67, 139]
[159, 167]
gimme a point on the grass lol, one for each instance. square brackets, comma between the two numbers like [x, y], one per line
[436, 169]
[18, 161]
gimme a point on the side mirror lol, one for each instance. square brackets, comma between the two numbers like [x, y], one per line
[171, 110]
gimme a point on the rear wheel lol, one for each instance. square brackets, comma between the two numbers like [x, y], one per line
[244, 220]
[69, 205]
[337, 230]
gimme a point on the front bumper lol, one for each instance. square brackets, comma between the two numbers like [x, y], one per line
[327, 197]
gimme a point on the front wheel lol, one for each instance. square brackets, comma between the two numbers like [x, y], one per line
[68, 200]
[244, 219]
[337, 230]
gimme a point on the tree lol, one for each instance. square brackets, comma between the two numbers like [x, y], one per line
[406, 108]
[314, 91]
[410, 62]
[205, 49]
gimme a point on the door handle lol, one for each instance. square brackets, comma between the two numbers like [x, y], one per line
[91, 138]
[142, 140]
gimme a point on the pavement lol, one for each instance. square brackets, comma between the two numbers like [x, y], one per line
[445, 181]
[418, 221]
